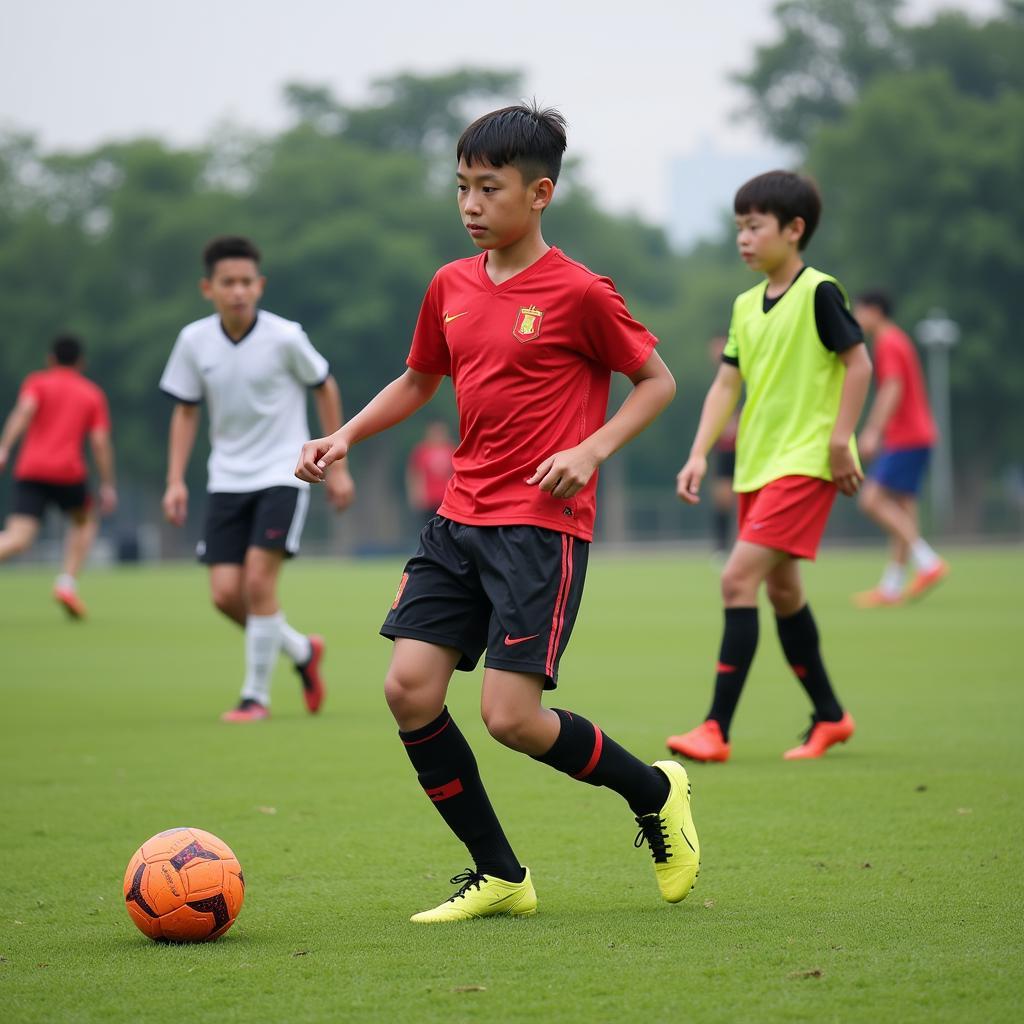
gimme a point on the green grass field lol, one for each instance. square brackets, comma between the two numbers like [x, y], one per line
[883, 883]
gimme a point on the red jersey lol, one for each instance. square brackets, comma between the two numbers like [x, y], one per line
[531, 362]
[911, 424]
[432, 464]
[68, 408]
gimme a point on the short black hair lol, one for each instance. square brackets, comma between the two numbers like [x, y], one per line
[785, 196]
[526, 136]
[67, 349]
[878, 299]
[229, 247]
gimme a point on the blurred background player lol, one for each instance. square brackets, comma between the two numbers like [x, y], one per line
[58, 409]
[797, 349]
[723, 497]
[253, 369]
[428, 471]
[897, 440]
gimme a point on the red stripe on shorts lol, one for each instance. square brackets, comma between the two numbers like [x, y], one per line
[558, 616]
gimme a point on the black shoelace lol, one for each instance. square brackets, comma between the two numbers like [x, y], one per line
[466, 880]
[652, 831]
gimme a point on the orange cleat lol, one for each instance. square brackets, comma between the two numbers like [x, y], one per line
[876, 598]
[70, 601]
[705, 743]
[925, 581]
[248, 710]
[821, 736]
[313, 689]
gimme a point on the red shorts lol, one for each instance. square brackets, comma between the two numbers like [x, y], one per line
[788, 514]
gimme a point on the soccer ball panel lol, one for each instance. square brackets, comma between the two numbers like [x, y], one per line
[149, 926]
[187, 925]
[166, 844]
[163, 887]
[202, 875]
[210, 842]
[234, 889]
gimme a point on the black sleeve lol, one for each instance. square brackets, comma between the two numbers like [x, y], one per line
[731, 361]
[836, 326]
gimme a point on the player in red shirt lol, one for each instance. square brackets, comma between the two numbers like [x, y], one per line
[57, 410]
[530, 339]
[897, 439]
[428, 471]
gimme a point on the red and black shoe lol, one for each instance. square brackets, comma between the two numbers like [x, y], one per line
[248, 710]
[705, 743]
[69, 600]
[313, 689]
[822, 735]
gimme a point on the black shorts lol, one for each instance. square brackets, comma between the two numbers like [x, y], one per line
[272, 519]
[725, 465]
[512, 591]
[31, 497]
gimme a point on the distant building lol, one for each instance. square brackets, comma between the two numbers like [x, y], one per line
[703, 182]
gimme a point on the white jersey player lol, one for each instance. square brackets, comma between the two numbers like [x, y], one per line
[252, 369]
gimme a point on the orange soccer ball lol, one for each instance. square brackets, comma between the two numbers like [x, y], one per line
[184, 885]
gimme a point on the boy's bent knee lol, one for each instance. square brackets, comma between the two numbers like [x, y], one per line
[737, 587]
[227, 600]
[785, 599]
[511, 730]
[410, 701]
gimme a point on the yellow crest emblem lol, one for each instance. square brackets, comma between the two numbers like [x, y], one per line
[528, 323]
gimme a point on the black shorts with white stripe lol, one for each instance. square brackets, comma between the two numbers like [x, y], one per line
[272, 518]
[512, 591]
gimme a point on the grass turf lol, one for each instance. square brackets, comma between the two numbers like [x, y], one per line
[881, 883]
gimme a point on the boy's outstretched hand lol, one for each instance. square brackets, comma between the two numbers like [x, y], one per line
[565, 473]
[846, 474]
[317, 455]
[689, 479]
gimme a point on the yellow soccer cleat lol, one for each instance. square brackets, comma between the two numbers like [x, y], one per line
[483, 896]
[672, 837]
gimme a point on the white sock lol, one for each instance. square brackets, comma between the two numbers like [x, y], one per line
[66, 582]
[262, 646]
[295, 644]
[924, 555]
[892, 579]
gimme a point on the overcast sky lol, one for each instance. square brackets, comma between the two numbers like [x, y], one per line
[638, 87]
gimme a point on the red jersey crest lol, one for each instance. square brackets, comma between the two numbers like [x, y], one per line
[528, 323]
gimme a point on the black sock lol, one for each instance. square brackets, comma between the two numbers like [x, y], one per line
[798, 635]
[587, 754]
[447, 771]
[739, 642]
[721, 521]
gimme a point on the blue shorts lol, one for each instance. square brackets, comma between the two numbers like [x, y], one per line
[900, 469]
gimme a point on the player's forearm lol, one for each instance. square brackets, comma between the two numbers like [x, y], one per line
[719, 405]
[327, 398]
[884, 406]
[14, 427]
[851, 402]
[103, 454]
[642, 407]
[182, 438]
[397, 402]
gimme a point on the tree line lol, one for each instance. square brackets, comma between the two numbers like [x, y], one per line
[914, 132]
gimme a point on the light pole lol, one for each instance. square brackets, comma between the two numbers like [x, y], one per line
[939, 334]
